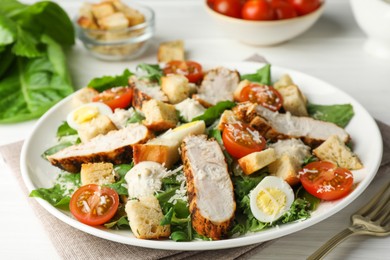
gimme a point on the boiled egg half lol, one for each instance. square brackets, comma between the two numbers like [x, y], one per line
[271, 198]
[86, 113]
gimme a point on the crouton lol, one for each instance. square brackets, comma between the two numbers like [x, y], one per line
[97, 173]
[175, 87]
[293, 100]
[285, 168]
[163, 151]
[159, 116]
[334, 150]
[284, 81]
[99, 125]
[145, 216]
[227, 117]
[103, 9]
[83, 96]
[189, 109]
[116, 21]
[169, 51]
[257, 160]
[237, 91]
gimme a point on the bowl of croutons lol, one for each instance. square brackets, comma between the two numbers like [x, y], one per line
[114, 29]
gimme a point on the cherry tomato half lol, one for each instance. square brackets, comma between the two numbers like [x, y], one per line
[94, 205]
[325, 180]
[191, 69]
[283, 9]
[240, 140]
[117, 97]
[264, 95]
[230, 8]
[257, 10]
[305, 6]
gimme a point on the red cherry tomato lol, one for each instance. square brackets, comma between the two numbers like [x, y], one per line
[230, 8]
[94, 205]
[264, 95]
[257, 10]
[118, 97]
[283, 9]
[191, 69]
[240, 140]
[325, 180]
[305, 6]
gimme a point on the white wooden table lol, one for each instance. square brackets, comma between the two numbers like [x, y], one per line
[331, 50]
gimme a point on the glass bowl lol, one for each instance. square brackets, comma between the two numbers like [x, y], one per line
[122, 44]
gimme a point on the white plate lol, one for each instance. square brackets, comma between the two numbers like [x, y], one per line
[364, 132]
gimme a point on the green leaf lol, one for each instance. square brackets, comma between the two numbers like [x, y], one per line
[153, 71]
[262, 75]
[179, 236]
[312, 200]
[135, 118]
[7, 58]
[121, 223]
[8, 31]
[64, 130]
[299, 210]
[120, 185]
[167, 217]
[56, 148]
[10, 8]
[26, 45]
[107, 82]
[338, 114]
[213, 113]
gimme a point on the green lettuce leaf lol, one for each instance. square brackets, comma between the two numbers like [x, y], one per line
[153, 71]
[8, 30]
[120, 185]
[262, 75]
[107, 82]
[65, 130]
[338, 114]
[213, 113]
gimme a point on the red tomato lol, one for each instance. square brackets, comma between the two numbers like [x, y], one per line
[191, 69]
[94, 205]
[211, 3]
[118, 97]
[240, 139]
[305, 6]
[264, 95]
[325, 180]
[257, 10]
[228, 7]
[283, 9]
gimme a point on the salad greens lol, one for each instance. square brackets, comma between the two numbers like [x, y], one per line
[262, 75]
[213, 113]
[106, 82]
[338, 114]
[33, 71]
[153, 72]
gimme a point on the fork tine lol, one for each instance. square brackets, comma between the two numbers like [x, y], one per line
[380, 205]
[385, 219]
[372, 204]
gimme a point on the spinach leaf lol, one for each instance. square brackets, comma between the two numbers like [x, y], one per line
[120, 185]
[121, 223]
[262, 75]
[107, 82]
[64, 130]
[338, 114]
[213, 113]
[153, 71]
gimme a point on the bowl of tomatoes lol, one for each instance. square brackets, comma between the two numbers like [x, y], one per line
[264, 22]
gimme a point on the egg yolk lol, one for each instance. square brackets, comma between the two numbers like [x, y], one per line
[271, 201]
[85, 114]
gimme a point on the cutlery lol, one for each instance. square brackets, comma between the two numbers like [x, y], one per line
[372, 219]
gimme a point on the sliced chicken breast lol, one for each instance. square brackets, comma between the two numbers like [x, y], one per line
[274, 125]
[218, 85]
[114, 147]
[210, 189]
[144, 91]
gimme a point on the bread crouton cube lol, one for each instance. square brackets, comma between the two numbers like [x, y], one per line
[176, 88]
[97, 173]
[334, 150]
[227, 117]
[257, 160]
[240, 87]
[159, 116]
[145, 216]
[83, 96]
[284, 81]
[97, 126]
[165, 152]
[116, 21]
[169, 51]
[286, 168]
[102, 9]
[293, 100]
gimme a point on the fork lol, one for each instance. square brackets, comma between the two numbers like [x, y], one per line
[372, 219]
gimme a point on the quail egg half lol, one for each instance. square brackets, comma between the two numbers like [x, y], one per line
[271, 198]
[86, 113]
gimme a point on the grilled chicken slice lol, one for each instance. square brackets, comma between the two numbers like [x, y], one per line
[275, 126]
[144, 91]
[218, 85]
[209, 187]
[114, 147]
